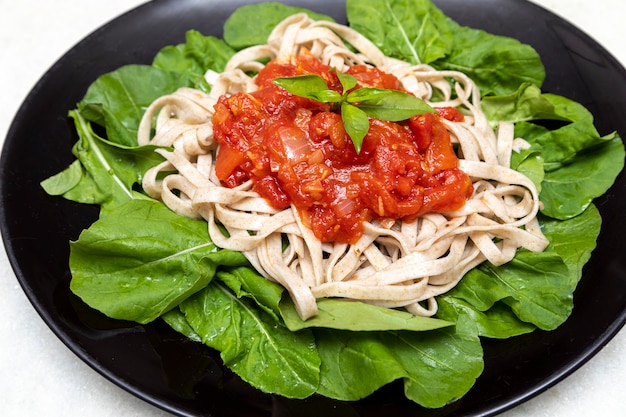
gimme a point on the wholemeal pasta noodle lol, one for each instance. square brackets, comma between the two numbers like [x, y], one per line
[395, 263]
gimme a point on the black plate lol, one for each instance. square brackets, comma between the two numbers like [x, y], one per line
[186, 378]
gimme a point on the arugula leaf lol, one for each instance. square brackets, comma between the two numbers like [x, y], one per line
[411, 30]
[252, 344]
[574, 239]
[194, 57]
[568, 191]
[497, 322]
[437, 367]
[177, 321]
[579, 164]
[259, 20]
[497, 64]
[535, 286]
[142, 260]
[357, 316]
[104, 173]
[118, 100]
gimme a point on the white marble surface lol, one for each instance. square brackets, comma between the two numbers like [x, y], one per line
[39, 376]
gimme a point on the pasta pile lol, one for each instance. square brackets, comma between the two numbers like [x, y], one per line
[394, 264]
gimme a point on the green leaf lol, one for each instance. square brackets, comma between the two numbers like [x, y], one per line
[568, 191]
[574, 239]
[355, 364]
[252, 24]
[527, 103]
[537, 287]
[437, 367]
[142, 260]
[348, 82]
[356, 123]
[497, 64]
[357, 316]
[246, 282]
[390, 105]
[309, 86]
[497, 322]
[442, 365]
[411, 30]
[104, 172]
[121, 97]
[252, 344]
[561, 144]
[530, 163]
[177, 321]
[198, 54]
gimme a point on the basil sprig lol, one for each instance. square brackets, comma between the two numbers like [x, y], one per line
[356, 106]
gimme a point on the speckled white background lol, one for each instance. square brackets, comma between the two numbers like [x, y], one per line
[39, 376]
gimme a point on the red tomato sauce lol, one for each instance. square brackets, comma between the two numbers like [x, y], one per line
[296, 152]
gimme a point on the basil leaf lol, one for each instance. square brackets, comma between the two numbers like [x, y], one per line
[390, 105]
[308, 86]
[348, 82]
[356, 123]
[325, 96]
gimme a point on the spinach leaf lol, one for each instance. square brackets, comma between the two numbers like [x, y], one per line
[104, 172]
[252, 24]
[118, 100]
[194, 57]
[142, 260]
[252, 344]
[411, 30]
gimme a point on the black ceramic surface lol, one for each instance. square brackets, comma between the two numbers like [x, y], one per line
[186, 378]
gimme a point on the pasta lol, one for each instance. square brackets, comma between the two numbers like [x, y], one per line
[394, 264]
